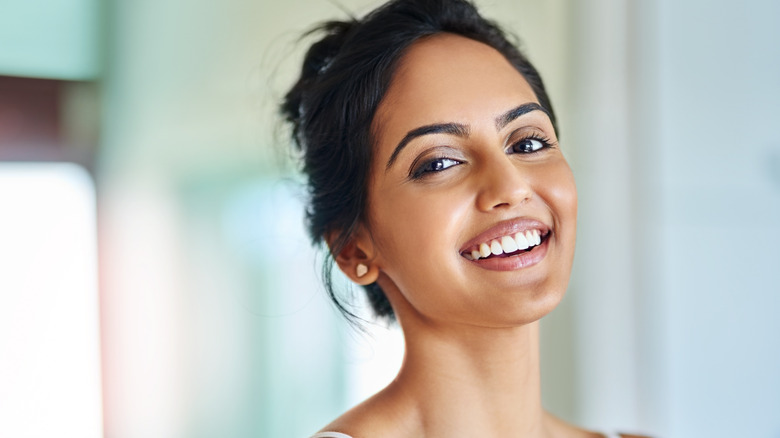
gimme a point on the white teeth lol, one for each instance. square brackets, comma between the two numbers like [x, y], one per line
[484, 250]
[495, 248]
[529, 236]
[522, 242]
[508, 244]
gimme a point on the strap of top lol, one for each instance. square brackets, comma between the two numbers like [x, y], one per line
[330, 435]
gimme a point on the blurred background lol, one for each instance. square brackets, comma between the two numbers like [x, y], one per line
[156, 280]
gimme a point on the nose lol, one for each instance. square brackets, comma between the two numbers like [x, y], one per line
[502, 184]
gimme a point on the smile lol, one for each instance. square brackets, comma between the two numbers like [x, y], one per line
[506, 246]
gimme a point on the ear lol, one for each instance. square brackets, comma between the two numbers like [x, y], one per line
[357, 258]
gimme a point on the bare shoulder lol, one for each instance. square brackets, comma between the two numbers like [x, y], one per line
[389, 415]
[382, 415]
[560, 428]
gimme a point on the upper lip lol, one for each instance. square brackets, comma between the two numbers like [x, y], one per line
[506, 228]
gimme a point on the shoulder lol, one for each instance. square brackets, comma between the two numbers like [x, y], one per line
[382, 415]
[562, 428]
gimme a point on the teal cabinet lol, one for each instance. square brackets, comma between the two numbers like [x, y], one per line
[57, 39]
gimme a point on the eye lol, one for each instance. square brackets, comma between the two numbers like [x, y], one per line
[527, 146]
[434, 165]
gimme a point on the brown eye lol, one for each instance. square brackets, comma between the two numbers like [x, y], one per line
[435, 165]
[527, 146]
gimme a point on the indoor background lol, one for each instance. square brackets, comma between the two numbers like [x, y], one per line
[156, 279]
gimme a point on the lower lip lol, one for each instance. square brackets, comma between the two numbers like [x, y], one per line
[515, 262]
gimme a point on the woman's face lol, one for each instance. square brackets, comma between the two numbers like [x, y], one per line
[467, 171]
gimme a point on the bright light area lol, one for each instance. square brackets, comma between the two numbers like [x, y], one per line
[373, 360]
[49, 329]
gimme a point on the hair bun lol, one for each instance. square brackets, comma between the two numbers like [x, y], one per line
[321, 53]
[317, 60]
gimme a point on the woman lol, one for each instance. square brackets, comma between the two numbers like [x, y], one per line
[437, 183]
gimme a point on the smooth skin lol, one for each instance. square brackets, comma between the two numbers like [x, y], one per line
[471, 367]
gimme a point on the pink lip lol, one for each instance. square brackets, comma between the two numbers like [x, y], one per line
[505, 228]
[517, 261]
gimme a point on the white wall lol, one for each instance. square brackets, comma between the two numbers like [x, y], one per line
[718, 108]
[676, 107]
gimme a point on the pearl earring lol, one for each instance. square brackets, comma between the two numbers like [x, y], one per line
[361, 270]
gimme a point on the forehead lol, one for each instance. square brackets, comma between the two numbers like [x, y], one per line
[449, 78]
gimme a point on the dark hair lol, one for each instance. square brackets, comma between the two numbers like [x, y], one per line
[345, 75]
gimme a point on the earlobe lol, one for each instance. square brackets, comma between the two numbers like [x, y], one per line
[357, 259]
[358, 267]
[364, 274]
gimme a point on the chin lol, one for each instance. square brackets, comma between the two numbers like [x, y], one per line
[527, 310]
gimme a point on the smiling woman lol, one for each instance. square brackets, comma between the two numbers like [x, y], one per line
[496, 179]
[438, 184]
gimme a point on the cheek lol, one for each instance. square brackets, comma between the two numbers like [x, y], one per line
[416, 235]
[561, 196]
[559, 190]
[411, 225]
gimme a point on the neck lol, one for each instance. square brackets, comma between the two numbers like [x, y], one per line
[474, 381]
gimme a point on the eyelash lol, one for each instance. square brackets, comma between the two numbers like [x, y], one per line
[545, 143]
[423, 170]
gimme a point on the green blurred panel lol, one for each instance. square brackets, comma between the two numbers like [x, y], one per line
[56, 39]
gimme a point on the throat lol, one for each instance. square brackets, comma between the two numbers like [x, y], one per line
[480, 376]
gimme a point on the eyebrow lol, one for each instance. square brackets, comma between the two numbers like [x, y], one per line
[461, 130]
[509, 116]
[456, 129]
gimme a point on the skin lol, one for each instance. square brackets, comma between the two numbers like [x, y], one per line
[471, 366]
